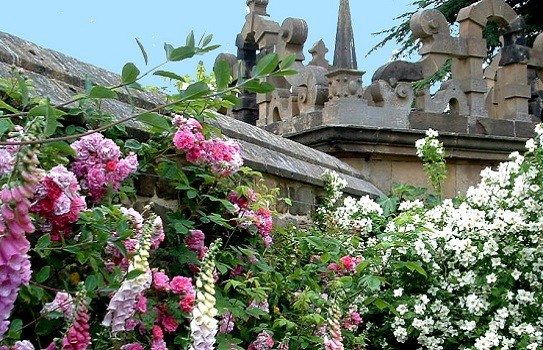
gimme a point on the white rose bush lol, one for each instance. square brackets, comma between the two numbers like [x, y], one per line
[465, 273]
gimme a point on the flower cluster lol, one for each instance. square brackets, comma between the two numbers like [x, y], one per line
[347, 264]
[136, 221]
[15, 223]
[99, 166]
[19, 345]
[253, 214]
[63, 302]
[204, 326]
[195, 242]
[123, 304]
[340, 214]
[222, 156]
[263, 341]
[57, 201]
[477, 263]
[179, 285]
[432, 153]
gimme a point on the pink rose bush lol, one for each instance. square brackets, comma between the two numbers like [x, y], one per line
[99, 166]
[57, 200]
[223, 157]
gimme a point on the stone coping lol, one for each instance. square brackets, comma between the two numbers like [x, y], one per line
[365, 141]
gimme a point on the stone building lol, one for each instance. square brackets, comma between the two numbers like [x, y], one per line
[325, 117]
[481, 114]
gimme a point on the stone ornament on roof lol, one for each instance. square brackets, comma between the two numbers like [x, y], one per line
[324, 94]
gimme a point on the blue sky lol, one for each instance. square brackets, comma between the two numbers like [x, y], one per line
[102, 32]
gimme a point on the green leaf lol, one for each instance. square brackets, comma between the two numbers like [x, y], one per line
[155, 120]
[190, 39]
[15, 328]
[102, 92]
[134, 273]
[43, 274]
[43, 110]
[168, 50]
[169, 75]
[130, 73]
[381, 304]
[23, 89]
[132, 144]
[222, 74]
[91, 283]
[285, 72]
[194, 91]
[266, 65]
[372, 282]
[181, 53]
[145, 58]
[416, 266]
[43, 242]
[258, 87]
[4, 105]
[5, 125]
[51, 115]
[287, 61]
[207, 40]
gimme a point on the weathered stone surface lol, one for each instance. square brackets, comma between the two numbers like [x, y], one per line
[443, 123]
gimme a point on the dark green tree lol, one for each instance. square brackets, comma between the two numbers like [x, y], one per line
[530, 10]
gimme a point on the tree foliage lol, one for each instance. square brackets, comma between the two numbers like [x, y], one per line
[530, 10]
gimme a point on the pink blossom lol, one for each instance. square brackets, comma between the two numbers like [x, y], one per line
[158, 344]
[161, 281]
[187, 303]
[132, 346]
[157, 332]
[263, 341]
[226, 324]
[141, 304]
[98, 165]
[7, 162]
[238, 270]
[352, 321]
[195, 241]
[184, 140]
[169, 323]
[181, 285]
[348, 262]
[63, 302]
[262, 305]
[243, 201]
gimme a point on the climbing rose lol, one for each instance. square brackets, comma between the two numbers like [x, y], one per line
[62, 303]
[98, 165]
[57, 201]
[263, 341]
[161, 281]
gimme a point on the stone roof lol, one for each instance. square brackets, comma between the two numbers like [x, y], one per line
[59, 77]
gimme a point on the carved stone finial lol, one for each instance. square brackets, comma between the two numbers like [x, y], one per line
[344, 54]
[258, 7]
[319, 51]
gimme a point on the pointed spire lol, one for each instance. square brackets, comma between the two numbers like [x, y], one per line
[344, 54]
